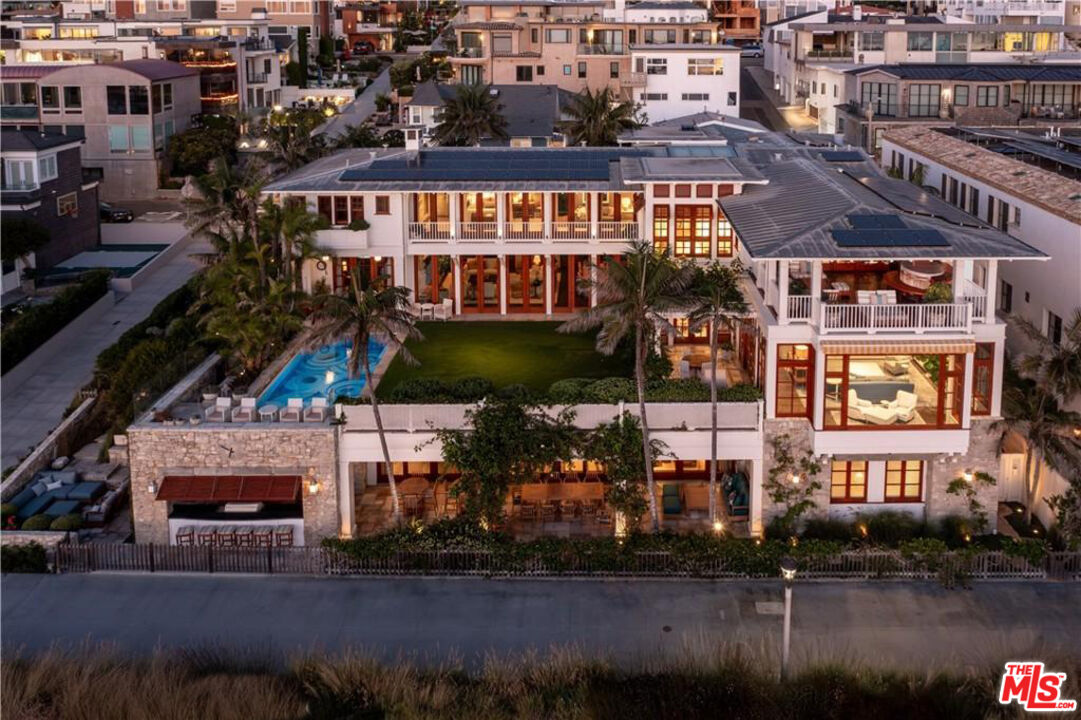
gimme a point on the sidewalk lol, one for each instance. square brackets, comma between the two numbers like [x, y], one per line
[356, 112]
[793, 115]
[29, 413]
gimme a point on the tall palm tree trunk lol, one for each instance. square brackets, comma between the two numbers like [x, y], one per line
[713, 421]
[1033, 464]
[647, 450]
[396, 508]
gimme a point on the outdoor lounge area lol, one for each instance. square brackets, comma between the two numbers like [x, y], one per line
[567, 502]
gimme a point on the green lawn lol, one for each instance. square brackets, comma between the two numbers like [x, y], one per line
[507, 353]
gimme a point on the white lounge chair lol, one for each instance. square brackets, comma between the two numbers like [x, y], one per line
[220, 411]
[294, 410]
[904, 405]
[246, 411]
[414, 309]
[444, 310]
[865, 297]
[318, 410]
[684, 369]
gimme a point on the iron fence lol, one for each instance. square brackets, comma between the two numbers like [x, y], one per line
[856, 565]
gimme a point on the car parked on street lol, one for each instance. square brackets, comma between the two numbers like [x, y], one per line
[751, 51]
[112, 213]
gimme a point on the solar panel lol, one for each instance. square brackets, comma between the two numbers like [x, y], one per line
[842, 156]
[909, 198]
[889, 237]
[869, 222]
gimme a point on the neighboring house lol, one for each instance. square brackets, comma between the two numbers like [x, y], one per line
[896, 394]
[796, 48]
[43, 180]
[696, 129]
[126, 112]
[675, 80]
[861, 103]
[533, 112]
[240, 64]
[577, 45]
[739, 20]
[367, 22]
[1036, 199]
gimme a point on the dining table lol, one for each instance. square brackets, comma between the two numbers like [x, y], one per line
[413, 486]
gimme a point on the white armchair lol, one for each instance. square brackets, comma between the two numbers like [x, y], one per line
[904, 405]
[444, 310]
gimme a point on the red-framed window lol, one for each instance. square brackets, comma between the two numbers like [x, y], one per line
[904, 480]
[683, 191]
[983, 372]
[848, 481]
[662, 227]
[795, 381]
[693, 230]
[725, 245]
[703, 191]
[661, 191]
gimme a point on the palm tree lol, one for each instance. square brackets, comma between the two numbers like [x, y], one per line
[1056, 368]
[1049, 432]
[470, 116]
[598, 118]
[227, 209]
[290, 231]
[717, 296]
[379, 312]
[632, 297]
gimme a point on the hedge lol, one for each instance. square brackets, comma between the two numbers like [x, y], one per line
[28, 558]
[31, 328]
[570, 391]
[172, 306]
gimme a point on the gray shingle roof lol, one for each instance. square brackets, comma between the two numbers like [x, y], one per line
[977, 73]
[807, 198]
[23, 140]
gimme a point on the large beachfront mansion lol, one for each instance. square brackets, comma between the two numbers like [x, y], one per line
[872, 331]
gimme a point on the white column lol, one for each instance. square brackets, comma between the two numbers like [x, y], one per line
[816, 292]
[713, 233]
[347, 513]
[756, 498]
[992, 292]
[966, 393]
[960, 273]
[594, 214]
[457, 284]
[996, 378]
[782, 291]
[819, 390]
[547, 217]
[503, 280]
[593, 280]
[500, 213]
[455, 210]
[548, 289]
[770, 382]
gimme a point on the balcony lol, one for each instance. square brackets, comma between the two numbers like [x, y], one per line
[478, 230]
[257, 78]
[469, 53]
[429, 231]
[523, 230]
[562, 230]
[907, 318]
[618, 231]
[601, 49]
[636, 79]
[829, 55]
[800, 308]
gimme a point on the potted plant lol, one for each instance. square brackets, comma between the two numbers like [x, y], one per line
[938, 292]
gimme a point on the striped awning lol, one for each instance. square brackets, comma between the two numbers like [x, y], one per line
[230, 488]
[877, 347]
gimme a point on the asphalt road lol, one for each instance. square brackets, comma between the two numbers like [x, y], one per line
[753, 104]
[914, 624]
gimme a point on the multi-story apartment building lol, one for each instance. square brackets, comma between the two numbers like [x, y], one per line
[668, 56]
[860, 104]
[739, 21]
[796, 48]
[239, 62]
[124, 112]
[1052, 12]
[42, 179]
[871, 331]
[372, 23]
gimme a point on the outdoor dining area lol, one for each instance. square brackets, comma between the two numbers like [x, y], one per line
[882, 283]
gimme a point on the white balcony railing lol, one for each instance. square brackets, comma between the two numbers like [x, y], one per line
[562, 230]
[799, 308]
[976, 296]
[523, 229]
[609, 230]
[896, 318]
[478, 230]
[429, 231]
[662, 416]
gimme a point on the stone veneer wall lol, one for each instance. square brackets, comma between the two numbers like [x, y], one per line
[799, 440]
[940, 470]
[255, 449]
[982, 457]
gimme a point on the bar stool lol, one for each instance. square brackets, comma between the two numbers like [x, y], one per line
[207, 535]
[264, 536]
[245, 537]
[185, 535]
[227, 536]
[283, 536]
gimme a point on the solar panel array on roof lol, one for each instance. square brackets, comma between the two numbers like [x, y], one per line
[888, 237]
[842, 156]
[875, 222]
[700, 151]
[492, 165]
[913, 199]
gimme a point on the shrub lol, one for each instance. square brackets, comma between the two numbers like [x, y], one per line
[471, 389]
[7, 509]
[37, 522]
[37, 324]
[569, 391]
[955, 530]
[891, 527]
[73, 521]
[29, 558]
[420, 390]
[192, 151]
[739, 393]
[406, 91]
[611, 390]
[828, 529]
[172, 306]
[359, 224]
[517, 392]
[677, 390]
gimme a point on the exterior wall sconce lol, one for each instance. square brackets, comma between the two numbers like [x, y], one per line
[152, 487]
[795, 478]
[313, 486]
[967, 476]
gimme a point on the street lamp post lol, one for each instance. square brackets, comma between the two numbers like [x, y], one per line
[788, 573]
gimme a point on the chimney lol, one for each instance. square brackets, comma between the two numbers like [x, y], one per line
[857, 13]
